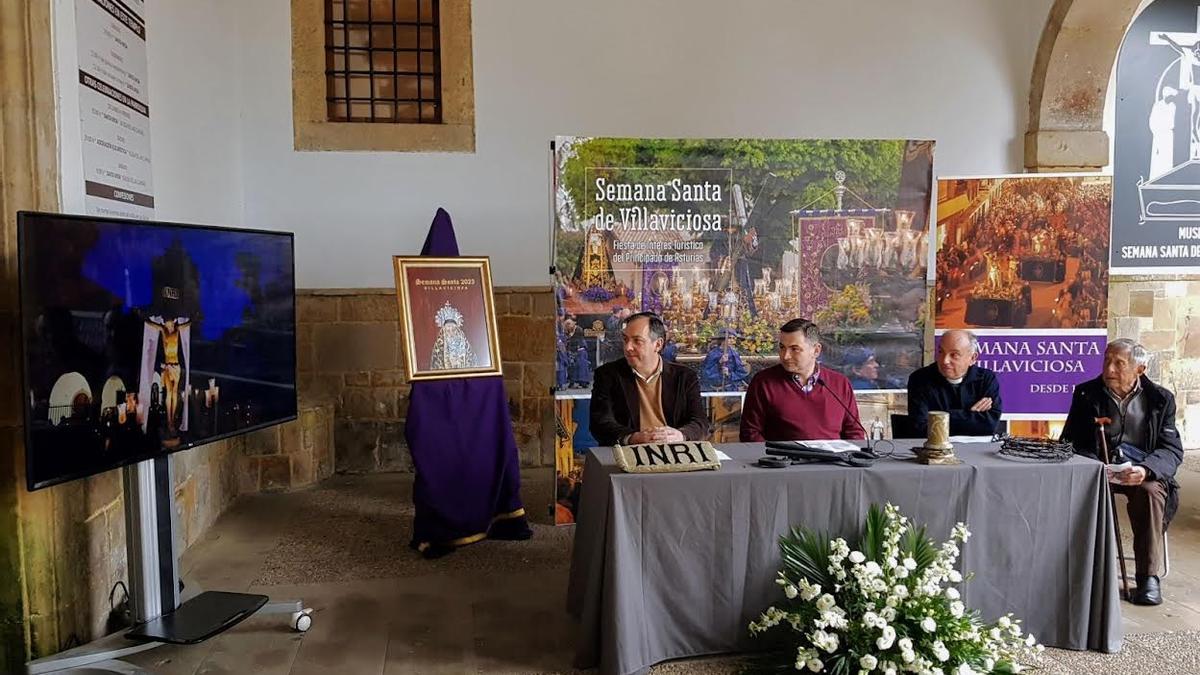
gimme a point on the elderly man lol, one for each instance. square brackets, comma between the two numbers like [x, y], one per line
[642, 398]
[1141, 432]
[954, 384]
[797, 399]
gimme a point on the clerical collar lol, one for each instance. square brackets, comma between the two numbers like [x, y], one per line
[649, 379]
[958, 380]
[807, 385]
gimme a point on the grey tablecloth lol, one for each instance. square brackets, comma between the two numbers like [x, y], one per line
[675, 565]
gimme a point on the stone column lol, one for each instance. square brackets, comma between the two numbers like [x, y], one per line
[28, 180]
[1071, 70]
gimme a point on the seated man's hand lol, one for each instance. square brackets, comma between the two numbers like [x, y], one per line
[666, 435]
[982, 405]
[1134, 475]
[639, 437]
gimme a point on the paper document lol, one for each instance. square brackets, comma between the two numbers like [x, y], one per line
[970, 439]
[723, 457]
[1118, 468]
[833, 446]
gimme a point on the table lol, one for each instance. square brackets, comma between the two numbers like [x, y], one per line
[676, 565]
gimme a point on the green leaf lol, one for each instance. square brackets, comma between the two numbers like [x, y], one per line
[919, 547]
[874, 535]
[806, 556]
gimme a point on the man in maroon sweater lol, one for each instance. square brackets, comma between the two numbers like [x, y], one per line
[799, 400]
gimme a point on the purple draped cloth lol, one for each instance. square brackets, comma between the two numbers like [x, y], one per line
[468, 480]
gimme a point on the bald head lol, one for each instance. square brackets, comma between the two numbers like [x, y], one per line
[960, 338]
[957, 351]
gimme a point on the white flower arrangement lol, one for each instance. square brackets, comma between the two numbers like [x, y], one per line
[886, 606]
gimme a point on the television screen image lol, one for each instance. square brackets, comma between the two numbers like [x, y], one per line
[144, 338]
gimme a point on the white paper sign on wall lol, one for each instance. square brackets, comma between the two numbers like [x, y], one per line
[113, 108]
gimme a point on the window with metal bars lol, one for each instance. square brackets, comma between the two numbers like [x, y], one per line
[383, 61]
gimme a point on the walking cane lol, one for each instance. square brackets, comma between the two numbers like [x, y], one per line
[1112, 500]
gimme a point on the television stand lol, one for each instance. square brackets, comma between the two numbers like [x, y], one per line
[103, 655]
[213, 612]
[159, 617]
[200, 618]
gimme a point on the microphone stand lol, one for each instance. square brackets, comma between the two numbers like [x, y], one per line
[866, 434]
[1112, 501]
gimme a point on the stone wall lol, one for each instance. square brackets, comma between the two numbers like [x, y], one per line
[1164, 315]
[350, 355]
[287, 456]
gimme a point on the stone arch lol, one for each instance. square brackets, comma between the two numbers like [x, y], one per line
[1071, 71]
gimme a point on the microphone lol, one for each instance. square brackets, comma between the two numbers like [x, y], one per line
[853, 416]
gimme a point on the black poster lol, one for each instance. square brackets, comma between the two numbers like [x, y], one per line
[1156, 163]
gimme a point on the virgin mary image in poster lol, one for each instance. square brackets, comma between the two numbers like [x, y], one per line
[448, 320]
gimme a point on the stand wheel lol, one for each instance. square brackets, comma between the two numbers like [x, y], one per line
[302, 620]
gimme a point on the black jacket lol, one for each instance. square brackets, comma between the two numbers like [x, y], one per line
[615, 402]
[1165, 448]
[929, 390]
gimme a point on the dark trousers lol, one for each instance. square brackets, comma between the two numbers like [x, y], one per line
[1146, 505]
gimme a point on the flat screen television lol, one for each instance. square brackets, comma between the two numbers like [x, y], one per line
[145, 338]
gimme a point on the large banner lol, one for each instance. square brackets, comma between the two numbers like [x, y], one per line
[1022, 261]
[728, 239]
[1156, 159]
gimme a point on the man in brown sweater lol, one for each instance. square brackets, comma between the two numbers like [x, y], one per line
[642, 398]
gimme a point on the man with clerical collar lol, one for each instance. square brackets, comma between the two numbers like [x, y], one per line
[797, 399]
[954, 384]
[642, 398]
[1141, 432]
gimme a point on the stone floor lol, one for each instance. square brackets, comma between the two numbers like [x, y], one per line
[496, 606]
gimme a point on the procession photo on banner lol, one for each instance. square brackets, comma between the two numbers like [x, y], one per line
[1023, 252]
[1022, 262]
[727, 239]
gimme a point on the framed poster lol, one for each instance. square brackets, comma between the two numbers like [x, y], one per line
[447, 318]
